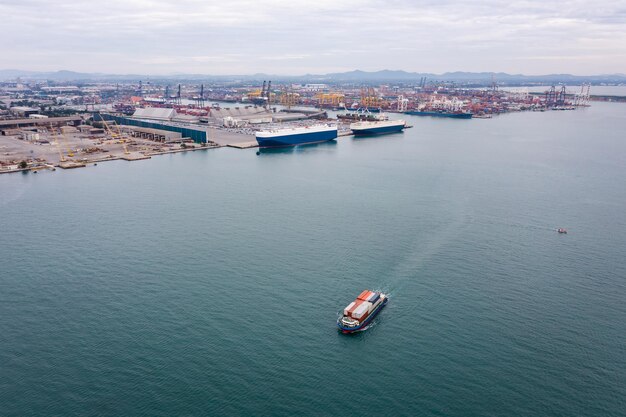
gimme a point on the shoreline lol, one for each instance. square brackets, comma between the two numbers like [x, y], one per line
[84, 163]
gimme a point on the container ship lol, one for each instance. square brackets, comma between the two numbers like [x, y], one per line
[440, 113]
[362, 115]
[359, 313]
[296, 136]
[377, 128]
[358, 116]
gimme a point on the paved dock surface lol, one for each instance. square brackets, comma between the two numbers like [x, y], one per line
[229, 137]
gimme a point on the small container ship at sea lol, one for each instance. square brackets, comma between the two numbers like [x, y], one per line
[296, 136]
[377, 127]
[360, 313]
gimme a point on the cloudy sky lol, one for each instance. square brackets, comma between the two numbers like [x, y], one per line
[314, 36]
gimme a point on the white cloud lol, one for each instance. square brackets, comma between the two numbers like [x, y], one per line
[279, 36]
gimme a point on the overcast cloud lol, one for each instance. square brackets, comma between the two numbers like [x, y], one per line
[297, 36]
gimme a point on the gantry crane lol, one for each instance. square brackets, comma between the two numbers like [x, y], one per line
[329, 99]
[289, 98]
[369, 98]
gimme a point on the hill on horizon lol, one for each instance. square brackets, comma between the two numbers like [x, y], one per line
[348, 76]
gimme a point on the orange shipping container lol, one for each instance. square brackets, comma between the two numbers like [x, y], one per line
[365, 295]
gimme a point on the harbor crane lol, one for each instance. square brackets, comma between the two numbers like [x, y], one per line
[369, 98]
[114, 135]
[178, 101]
[582, 99]
[403, 103]
[200, 98]
[67, 144]
[330, 99]
[288, 98]
[268, 93]
[56, 140]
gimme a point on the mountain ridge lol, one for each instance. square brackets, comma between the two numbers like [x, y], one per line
[348, 76]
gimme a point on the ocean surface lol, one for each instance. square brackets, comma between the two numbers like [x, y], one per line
[209, 283]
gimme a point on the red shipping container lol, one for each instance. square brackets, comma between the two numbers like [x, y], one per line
[346, 311]
[362, 311]
[364, 316]
[357, 303]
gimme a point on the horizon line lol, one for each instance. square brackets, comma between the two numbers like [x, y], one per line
[308, 74]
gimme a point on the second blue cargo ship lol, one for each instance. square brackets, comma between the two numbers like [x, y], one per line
[377, 128]
[296, 136]
[440, 113]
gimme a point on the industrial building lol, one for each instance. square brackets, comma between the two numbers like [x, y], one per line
[163, 114]
[197, 134]
[23, 111]
[157, 135]
[11, 124]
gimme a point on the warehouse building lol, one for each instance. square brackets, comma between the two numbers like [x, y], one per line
[23, 111]
[11, 124]
[197, 134]
[157, 135]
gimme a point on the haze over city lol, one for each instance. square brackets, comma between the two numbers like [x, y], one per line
[298, 37]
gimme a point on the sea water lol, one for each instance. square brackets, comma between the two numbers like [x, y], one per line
[210, 282]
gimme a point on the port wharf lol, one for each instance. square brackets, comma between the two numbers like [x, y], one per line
[142, 127]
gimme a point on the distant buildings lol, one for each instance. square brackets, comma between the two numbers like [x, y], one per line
[23, 111]
[313, 87]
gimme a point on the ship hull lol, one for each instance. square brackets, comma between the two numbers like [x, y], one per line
[371, 131]
[296, 139]
[365, 323]
[440, 114]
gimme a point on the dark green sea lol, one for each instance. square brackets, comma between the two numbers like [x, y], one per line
[209, 283]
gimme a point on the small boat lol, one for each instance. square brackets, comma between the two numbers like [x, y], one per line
[360, 313]
[561, 230]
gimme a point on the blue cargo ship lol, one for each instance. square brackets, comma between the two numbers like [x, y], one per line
[360, 313]
[296, 136]
[377, 128]
[442, 113]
